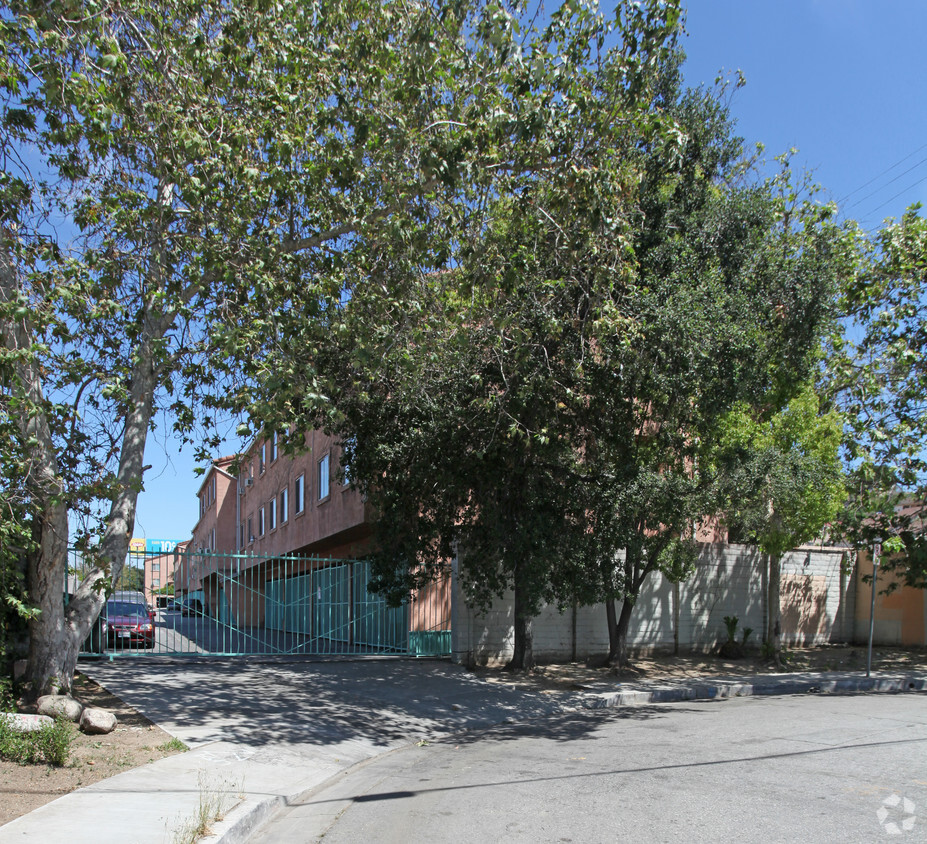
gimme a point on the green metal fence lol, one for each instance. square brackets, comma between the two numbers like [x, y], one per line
[203, 602]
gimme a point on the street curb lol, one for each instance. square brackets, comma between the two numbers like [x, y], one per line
[721, 691]
[245, 820]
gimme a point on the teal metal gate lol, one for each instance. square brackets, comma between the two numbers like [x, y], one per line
[208, 603]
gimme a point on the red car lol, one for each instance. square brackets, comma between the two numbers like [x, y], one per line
[129, 624]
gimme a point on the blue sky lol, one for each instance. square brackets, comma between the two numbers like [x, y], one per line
[842, 81]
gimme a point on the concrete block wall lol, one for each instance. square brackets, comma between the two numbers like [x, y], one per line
[729, 580]
[817, 597]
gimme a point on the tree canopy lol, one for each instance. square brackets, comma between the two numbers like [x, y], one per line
[176, 175]
[538, 396]
[877, 375]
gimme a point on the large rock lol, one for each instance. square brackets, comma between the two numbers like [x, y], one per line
[26, 723]
[96, 721]
[63, 706]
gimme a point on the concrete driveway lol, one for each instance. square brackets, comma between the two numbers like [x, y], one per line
[263, 734]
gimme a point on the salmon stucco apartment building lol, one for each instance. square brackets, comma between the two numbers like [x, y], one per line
[278, 547]
[277, 558]
[264, 504]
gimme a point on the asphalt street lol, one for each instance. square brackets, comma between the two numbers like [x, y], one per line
[810, 769]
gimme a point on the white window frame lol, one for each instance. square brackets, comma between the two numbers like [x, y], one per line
[261, 522]
[272, 512]
[324, 476]
[284, 505]
[299, 494]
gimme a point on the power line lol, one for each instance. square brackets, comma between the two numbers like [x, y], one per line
[880, 175]
[892, 199]
[891, 181]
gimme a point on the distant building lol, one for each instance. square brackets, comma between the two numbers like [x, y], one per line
[155, 560]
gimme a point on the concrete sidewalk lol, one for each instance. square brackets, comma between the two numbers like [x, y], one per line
[265, 734]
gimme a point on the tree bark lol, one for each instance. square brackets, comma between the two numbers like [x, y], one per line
[620, 657]
[611, 618]
[523, 646]
[56, 633]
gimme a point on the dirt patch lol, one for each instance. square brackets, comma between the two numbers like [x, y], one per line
[577, 676]
[135, 741]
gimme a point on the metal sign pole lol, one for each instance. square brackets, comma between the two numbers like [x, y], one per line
[876, 553]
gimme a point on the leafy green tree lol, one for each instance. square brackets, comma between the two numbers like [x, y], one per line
[877, 373]
[15, 543]
[454, 371]
[175, 171]
[783, 481]
[539, 395]
[731, 294]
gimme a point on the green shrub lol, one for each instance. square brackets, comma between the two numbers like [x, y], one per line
[50, 744]
[7, 698]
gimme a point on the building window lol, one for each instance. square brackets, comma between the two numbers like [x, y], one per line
[155, 567]
[272, 511]
[323, 478]
[156, 582]
[213, 541]
[250, 530]
[241, 535]
[299, 494]
[284, 505]
[212, 489]
[273, 448]
[262, 457]
[261, 522]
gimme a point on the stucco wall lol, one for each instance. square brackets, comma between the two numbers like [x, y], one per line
[817, 602]
[900, 616]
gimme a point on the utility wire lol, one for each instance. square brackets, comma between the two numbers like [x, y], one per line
[891, 181]
[880, 175]
[892, 199]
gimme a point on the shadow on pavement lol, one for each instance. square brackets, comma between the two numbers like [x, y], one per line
[321, 703]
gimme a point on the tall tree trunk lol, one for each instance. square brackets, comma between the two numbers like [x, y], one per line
[620, 659]
[611, 618]
[773, 604]
[56, 633]
[50, 634]
[523, 646]
[48, 563]
[88, 601]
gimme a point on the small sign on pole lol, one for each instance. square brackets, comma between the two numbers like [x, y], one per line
[876, 553]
